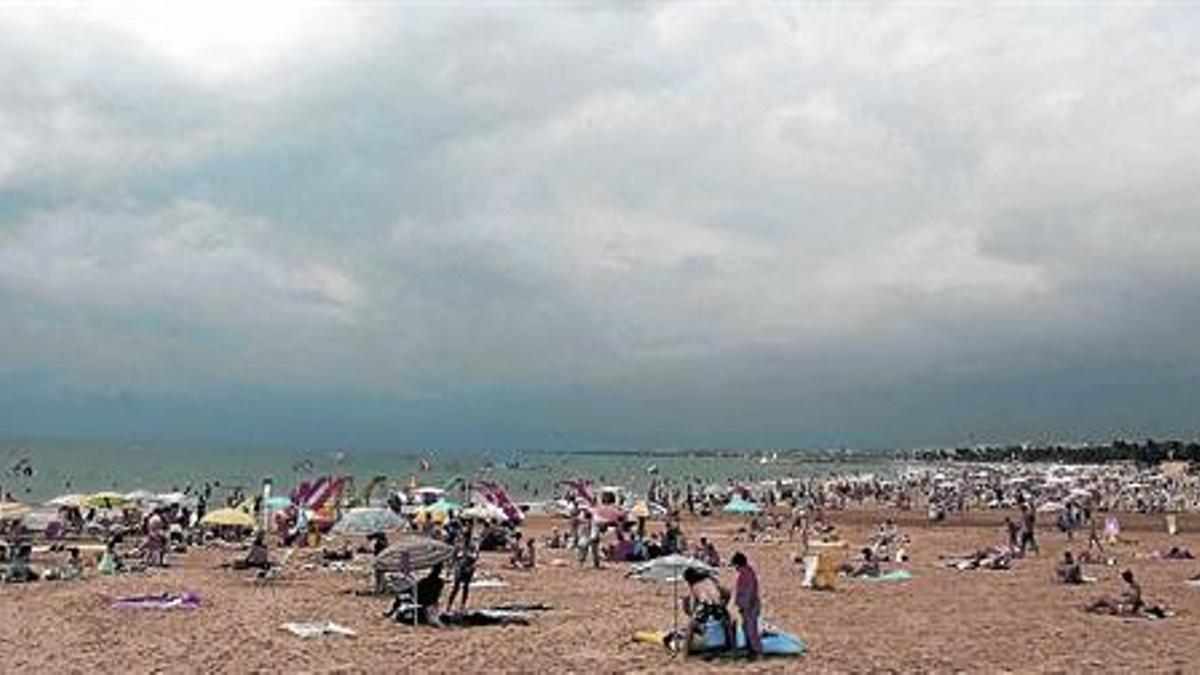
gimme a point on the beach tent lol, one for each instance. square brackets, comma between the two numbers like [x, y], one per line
[741, 507]
[104, 500]
[415, 553]
[228, 518]
[366, 520]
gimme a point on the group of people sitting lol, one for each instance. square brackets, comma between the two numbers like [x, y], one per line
[16, 565]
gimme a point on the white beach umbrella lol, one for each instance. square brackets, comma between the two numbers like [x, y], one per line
[140, 496]
[66, 500]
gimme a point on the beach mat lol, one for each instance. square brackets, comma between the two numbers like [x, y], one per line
[886, 577]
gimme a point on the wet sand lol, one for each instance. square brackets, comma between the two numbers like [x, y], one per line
[943, 620]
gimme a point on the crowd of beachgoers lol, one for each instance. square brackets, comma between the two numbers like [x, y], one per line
[421, 546]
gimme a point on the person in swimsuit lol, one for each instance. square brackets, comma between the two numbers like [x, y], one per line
[708, 601]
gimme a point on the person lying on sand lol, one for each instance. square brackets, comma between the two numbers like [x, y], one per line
[867, 565]
[990, 558]
[707, 601]
[1069, 571]
[1173, 553]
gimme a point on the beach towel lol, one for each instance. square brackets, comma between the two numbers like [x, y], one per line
[893, 575]
[486, 617]
[311, 629]
[165, 601]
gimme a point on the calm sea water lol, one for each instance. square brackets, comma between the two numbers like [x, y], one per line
[62, 467]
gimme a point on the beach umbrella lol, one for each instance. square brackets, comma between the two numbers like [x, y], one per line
[228, 517]
[366, 520]
[607, 514]
[277, 502]
[66, 500]
[444, 505]
[170, 498]
[1050, 507]
[9, 510]
[741, 507]
[485, 512]
[670, 569]
[140, 496]
[415, 553]
[640, 509]
[104, 500]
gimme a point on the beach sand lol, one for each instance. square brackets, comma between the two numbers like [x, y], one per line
[943, 620]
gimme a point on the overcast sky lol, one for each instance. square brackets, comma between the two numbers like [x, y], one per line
[500, 225]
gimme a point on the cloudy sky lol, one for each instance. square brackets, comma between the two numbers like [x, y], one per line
[412, 225]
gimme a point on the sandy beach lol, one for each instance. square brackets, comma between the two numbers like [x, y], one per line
[942, 620]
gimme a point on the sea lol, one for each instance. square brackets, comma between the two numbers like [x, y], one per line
[33, 471]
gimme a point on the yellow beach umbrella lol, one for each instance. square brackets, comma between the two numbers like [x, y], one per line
[104, 500]
[439, 516]
[229, 517]
[12, 510]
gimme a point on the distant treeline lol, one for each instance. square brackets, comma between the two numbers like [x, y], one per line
[1145, 452]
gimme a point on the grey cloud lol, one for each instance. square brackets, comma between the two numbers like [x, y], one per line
[749, 224]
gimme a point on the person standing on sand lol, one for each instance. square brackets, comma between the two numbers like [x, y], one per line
[748, 603]
[1028, 522]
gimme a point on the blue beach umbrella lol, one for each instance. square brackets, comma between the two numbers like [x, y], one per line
[742, 507]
